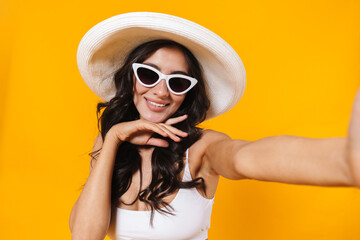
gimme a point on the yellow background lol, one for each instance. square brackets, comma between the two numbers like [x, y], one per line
[302, 61]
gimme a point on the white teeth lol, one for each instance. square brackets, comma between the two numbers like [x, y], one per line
[155, 104]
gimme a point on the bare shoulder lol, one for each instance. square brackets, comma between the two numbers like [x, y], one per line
[209, 158]
[208, 139]
[213, 140]
[218, 153]
[199, 167]
[210, 136]
[198, 149]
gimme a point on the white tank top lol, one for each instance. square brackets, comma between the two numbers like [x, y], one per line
[191, 220]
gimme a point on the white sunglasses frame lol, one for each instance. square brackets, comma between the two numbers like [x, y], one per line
[167, 78]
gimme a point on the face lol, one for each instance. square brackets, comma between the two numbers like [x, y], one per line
[157, 104]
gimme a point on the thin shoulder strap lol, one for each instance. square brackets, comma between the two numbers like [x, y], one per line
[187, 174]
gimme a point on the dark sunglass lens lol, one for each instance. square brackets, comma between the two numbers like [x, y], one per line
[179, 84]
[147, 76]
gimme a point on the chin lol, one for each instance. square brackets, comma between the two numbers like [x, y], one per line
[154, 118]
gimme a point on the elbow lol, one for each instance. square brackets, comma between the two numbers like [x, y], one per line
[83, 237]
[86, 235]
[82, 228]
[83, 231]
[79, 237]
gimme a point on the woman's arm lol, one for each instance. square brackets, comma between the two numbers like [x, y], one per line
[90, 216]
[300, 160]
[285, 159]
[290, 159]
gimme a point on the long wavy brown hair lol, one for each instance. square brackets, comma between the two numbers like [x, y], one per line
[167, 163]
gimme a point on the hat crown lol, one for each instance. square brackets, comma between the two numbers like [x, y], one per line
[104, 47]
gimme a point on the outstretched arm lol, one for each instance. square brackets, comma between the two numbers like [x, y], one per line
[289, 159]
[285, 159]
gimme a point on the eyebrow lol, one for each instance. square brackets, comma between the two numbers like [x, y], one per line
[174, 72]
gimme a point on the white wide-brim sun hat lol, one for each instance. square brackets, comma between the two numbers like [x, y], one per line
[104, 47]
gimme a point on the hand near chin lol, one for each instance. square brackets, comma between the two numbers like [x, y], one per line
[140, 132]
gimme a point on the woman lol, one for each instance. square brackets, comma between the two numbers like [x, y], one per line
[153, 174]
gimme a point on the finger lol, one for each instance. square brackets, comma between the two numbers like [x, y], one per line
[147, 126]
[157, 142]
[169, 132]
[175, 130]
[172, 121]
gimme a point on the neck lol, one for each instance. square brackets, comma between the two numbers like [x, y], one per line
[145, 150]
[145, 154]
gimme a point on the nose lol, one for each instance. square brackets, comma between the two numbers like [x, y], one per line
[161, 89]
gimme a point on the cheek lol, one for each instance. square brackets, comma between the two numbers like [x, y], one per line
[138, 91]
[178, 100]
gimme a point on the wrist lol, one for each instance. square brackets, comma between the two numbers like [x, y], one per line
[113, 137]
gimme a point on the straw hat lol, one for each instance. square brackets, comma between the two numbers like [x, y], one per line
[104, 47]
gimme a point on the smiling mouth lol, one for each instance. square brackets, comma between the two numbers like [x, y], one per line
[156, 104]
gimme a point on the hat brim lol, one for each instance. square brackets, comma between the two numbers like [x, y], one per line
[104, 47]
